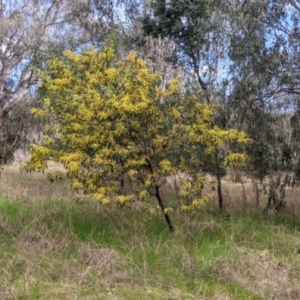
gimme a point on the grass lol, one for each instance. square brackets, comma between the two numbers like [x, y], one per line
[54, 248]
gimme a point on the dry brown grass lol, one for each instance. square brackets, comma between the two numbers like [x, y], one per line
[16, 185]
[44, 241]
[251, 195]
[40, 267]
[262, 273]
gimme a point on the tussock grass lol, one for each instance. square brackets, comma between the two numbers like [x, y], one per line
[54, 248]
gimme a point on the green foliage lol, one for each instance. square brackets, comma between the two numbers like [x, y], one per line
[192, 27]
[262, 79]
[177, 19]
[115, 126]
[18, 129]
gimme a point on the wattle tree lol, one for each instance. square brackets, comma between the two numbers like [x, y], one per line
[113, 123]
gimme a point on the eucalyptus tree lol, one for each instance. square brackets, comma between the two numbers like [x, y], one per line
[263, 75]
[29, 30]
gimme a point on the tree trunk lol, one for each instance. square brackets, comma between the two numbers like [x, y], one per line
[162, 206]
[1, 119]
[160, 201]
[220, 195]
[1, 133]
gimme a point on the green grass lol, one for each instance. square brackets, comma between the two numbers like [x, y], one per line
[54, 248]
